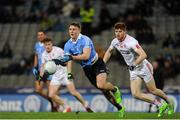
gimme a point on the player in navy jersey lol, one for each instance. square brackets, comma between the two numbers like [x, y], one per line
[81, 49]
[39, 82]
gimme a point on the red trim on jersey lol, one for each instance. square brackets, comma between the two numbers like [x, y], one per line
[137, 46]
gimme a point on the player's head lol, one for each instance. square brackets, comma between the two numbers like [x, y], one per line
[120, 30]
[41, 35]
[74, 30]
[48, 44]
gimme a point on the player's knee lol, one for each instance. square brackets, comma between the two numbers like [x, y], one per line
[38, 90]
[136, 94]
[100, 85]
[51, 95]
[73, 93]
[153, 91]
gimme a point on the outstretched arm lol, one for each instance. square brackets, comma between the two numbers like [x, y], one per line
[141, 55]
[107, 55]
[35, 60]
[84, 56]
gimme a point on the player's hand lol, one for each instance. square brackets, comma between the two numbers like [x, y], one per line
[36, 72]
[44, 77]
[58, 62]
[66, 58]
[70, 76]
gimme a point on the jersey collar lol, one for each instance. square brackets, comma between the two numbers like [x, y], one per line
[79, 37]
[40, 43]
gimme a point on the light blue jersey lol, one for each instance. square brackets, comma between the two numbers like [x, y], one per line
[76, 48]
[39, 49]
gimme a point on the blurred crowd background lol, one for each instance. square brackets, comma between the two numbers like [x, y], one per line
[154, 23]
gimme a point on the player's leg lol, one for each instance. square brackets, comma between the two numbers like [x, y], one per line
[39, 89]
[150, 83]
[100, 71]
[44, 93]
[152, 88]
[77, 95]
[53, 96]
[101, 81]
[110, 97]
[136, 91]
[54, 106]
[92, 73]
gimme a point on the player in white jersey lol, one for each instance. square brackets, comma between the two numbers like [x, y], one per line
[139, 68]
[39, 84]
[60, 77]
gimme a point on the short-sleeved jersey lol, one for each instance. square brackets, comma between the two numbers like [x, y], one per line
[39, 49]
[54, 54]
[126, 48]
[76, 48]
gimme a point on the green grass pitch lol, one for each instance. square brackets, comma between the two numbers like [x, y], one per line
[81, 115]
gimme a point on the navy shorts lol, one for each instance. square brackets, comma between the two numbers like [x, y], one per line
[91, 71]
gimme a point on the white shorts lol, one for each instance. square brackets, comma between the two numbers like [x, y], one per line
[144, 71]
[59, 78]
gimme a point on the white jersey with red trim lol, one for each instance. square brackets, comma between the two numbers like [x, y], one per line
[54, 54]
[127, 48]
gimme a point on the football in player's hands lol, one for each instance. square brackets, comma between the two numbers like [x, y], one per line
[50, 67]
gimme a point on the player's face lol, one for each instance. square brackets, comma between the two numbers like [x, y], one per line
[74, 32]
[48, 46]
[40, 36]
[120, 34]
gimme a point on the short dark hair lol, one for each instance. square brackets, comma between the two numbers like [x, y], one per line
[120, 25]
[75, 24]
[47, 40]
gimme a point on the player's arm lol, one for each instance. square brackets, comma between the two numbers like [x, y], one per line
[42, 70]
[35, 68]
[107, 54]
[141, 55]
[69, 68]
[84, 56]
[35, 60]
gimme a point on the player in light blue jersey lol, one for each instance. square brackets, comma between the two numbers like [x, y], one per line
[81, 49]
[39, 82]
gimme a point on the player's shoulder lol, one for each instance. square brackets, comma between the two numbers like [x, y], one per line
[114, 41]
[36, 44]
[85, 38]
[68, 42]
[130, 39]
[44, 53]
[56, 47]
